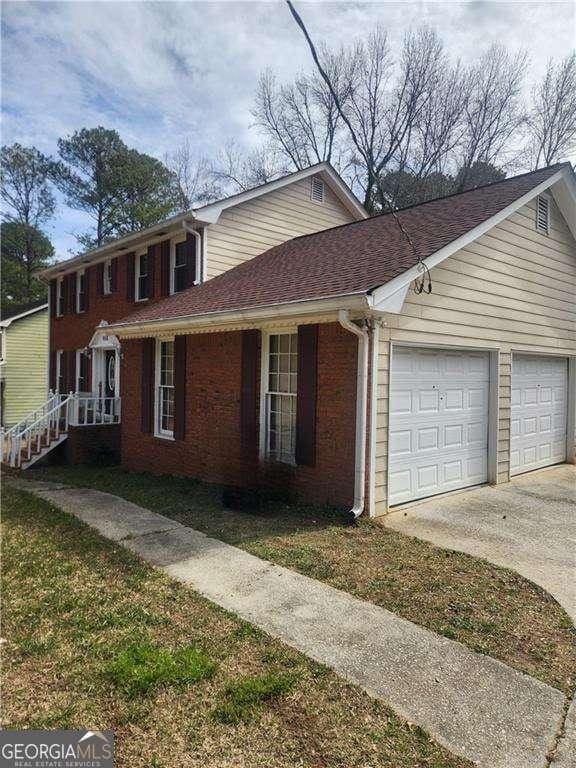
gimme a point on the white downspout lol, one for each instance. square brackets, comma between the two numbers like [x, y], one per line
[361, 408]
[199, 254]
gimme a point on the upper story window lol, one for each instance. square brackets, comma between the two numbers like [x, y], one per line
[60, 297]
[543, 214]
[165, 389]
[317, 189]
[107, 277]
[81, 291]
[178, 267]
[281, 378]
[60, 371]
[142, 269]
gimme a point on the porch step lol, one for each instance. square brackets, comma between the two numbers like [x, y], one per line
[44, 450]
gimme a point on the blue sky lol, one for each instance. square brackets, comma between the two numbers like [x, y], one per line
[163, 72]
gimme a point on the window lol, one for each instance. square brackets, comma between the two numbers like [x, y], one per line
[82, 383]
[543, 214]
[2, 345]
[107, 277]
[60, 297]
[142, 277]
[81, 291]
[317, 190]
[59, 371]
[165, 388]
[179, 267]
[281, 388]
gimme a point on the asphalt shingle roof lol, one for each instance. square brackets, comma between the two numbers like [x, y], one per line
[350, 259]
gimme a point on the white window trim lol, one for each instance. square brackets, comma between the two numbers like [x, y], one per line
[264, 372]
[137, 275]
[164, 434]
[79, 274]
[548, 201]
[107, 278]
[59, 284]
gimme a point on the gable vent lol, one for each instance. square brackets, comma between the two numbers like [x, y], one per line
[543, 214]
[317, 190]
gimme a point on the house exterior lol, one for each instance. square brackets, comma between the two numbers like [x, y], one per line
[23, 361]
[372, 363]
[98, 288]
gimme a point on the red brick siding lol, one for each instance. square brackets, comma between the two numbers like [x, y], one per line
[212, 446]
[74, 331]
[87, 445]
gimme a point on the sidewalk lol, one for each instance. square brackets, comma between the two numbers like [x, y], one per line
[476, 706]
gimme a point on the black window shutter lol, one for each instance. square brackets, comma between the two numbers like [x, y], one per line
[71, 382]
[190, 260]
[130, 275]
[165, 267]
[100, 277]
[72, 293]
[151, 265]
[147, 383]
[180, 387]
[64, 287]
[306, 401]
[87, 272]
[53, 299]
[53, 382]
[249, 393]
[114, 275]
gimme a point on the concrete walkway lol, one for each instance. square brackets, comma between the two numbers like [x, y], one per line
[528, 525]
[476, 706]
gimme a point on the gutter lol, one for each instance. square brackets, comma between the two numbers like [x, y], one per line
[361, 412]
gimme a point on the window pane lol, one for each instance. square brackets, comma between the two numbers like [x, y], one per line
[284, 341]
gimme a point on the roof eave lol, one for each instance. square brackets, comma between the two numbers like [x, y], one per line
[271, 312]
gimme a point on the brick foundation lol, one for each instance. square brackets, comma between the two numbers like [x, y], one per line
[98, 444]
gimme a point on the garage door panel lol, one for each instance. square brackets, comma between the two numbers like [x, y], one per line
[438, 434]
[539, 412]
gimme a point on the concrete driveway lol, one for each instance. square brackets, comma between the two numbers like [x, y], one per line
[528, 525]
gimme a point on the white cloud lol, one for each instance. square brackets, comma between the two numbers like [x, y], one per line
[159, 72]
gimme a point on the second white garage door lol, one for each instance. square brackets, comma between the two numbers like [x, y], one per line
[438, 434]
[539, 412]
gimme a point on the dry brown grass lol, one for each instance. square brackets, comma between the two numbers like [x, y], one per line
[488, 608]
[73, 601]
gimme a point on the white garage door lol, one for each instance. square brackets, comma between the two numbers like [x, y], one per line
[438, 437]
[539, 412]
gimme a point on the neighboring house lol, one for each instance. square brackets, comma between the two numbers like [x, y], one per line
[318, 367]
[24, 361]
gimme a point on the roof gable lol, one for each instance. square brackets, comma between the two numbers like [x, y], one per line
[370, 258]
[209, 214]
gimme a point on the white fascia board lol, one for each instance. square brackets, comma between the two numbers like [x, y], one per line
[356, 301]
[379, 295]
[392, 303]
[564, 193]
[10, 320]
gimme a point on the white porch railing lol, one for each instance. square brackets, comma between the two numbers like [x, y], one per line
[19, 447]
[24, 442]
[89, 410]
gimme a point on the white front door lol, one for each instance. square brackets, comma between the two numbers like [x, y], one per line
[539, 412]
[438, 434]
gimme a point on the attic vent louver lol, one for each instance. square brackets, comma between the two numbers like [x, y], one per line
[543, 214]
[317, 190]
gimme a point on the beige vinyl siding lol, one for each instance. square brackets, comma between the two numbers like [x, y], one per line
[250, 228]
[512, 290]
[25, 370]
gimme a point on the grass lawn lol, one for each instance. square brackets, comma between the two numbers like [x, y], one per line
[95, 638]
[488, 608]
